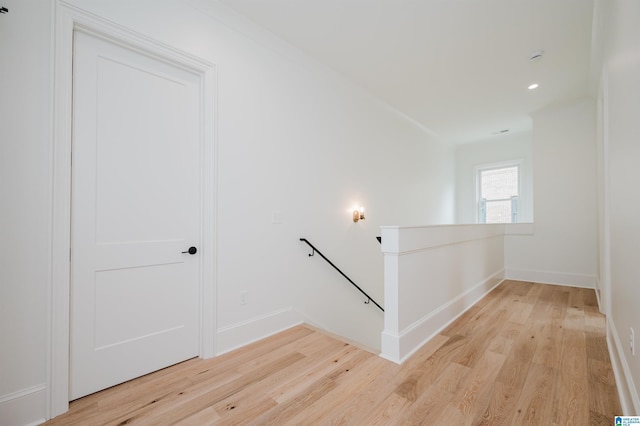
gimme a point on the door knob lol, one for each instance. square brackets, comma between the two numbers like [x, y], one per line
[192, 250]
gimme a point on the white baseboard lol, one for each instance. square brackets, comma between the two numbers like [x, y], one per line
[25, 407]
[398, 348]
[548, 277]
[627, 391]
[241, 334]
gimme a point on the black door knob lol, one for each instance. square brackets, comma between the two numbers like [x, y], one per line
[192, 250]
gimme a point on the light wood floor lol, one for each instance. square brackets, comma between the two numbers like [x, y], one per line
[525, 354]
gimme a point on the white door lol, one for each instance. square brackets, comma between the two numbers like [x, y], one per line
[135, 210]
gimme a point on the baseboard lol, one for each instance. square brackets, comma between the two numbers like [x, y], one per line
[627, 391]
[257, 328]
[25, 407]
[344, 339]
[548, 277]
[398, 348]
[598, 289]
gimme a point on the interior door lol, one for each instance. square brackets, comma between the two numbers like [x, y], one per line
[135, 215]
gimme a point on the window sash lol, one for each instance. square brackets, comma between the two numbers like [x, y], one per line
[487, 212]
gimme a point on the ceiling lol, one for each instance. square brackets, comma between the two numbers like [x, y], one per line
[460, 68]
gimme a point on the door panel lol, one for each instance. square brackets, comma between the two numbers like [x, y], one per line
[138, 111]
[135, 209]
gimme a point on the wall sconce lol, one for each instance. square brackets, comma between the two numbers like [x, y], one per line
[358, 214]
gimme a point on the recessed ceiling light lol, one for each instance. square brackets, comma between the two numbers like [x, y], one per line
[533, 86]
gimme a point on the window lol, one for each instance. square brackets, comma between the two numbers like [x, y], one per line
[498, 192]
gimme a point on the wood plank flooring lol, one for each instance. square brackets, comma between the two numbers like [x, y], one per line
[526, 354]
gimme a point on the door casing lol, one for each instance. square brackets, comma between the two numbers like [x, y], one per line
[67, 20]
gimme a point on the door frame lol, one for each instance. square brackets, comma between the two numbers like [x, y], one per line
[604, 230]
[69, 19]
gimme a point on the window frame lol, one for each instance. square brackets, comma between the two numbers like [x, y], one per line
[478, 182]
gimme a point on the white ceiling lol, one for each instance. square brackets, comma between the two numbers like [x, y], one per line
[458, 67]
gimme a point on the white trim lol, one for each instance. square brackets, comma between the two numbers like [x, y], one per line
[24, 407]
[68, 19]
[407, 240]
[22, 393]
[237, 335]
[605, 220]
[627, 393]
[448, 244]
[413, 337]
[550, 277]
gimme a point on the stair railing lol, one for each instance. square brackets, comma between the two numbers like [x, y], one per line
[315, 250]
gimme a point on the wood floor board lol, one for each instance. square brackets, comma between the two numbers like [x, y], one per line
[385, 413]
[297, 383]
[571, 402]
[526, 354]
[510, 381]
[476, 345]
[521, 312]
[594, 322]
[357, 380]
[520, 288]
[206, 417]
[432, 402]
[602, 391]
[477, 388]
[533, 294]
[416, 379]
[459, 326]
[596, 346]
[534, 405]
[379, 391]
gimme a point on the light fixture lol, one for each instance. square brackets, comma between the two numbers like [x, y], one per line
[358, 214]
[533, 86]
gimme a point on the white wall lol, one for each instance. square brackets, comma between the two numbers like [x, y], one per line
[292, 138]
[499, 149]
[620, 95]
[25, 208]
[563, 247]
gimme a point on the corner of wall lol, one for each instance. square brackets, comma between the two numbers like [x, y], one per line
[551, 277]
[627, 391]
[243, 333]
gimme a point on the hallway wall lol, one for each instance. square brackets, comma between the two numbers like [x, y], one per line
[562, 248]
[298, 147]
[620, 94]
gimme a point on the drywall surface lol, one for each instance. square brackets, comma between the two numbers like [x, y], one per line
[563, 247]
[502, 149]
[25, 132]
[620, 97]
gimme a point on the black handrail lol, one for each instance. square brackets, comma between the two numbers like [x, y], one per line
[315, 250]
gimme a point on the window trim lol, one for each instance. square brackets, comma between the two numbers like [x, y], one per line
[496, 166]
